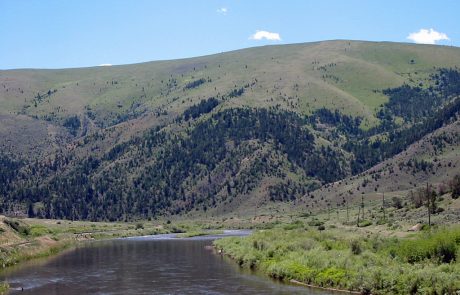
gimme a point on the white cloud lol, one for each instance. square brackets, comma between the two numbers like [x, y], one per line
[259, 35]
[425, 36]
[222, 10]
[105, 65]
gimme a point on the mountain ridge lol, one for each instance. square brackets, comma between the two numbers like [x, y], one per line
[229, 51]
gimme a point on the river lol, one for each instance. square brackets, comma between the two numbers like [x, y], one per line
[159, 264]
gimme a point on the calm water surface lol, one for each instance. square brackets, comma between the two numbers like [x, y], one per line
[143, 265]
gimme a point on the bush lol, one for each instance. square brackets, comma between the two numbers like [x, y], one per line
[396, 202]
[381, 221]
[19, 228]
[294, 225]
[177, 230]
[365, 223]
[455, 186]
[441, 246]
[355, 246]
[315, 222]
[4, 287]
[331, 277]
[38, 230]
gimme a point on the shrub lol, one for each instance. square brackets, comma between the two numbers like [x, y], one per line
[365, 223]
[396, 202]
[355, 246]
[381, 221]
[455, 186]
[331, 277]
[15, 225]
[38, 230]
[315, 222]
[294, 225]
[441, 246]
[4, 287]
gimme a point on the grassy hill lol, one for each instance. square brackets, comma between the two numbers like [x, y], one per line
[301, 77]
[225, 132]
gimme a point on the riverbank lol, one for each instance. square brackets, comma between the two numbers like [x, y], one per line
[199, 233]
[353, 260]
[25, 239]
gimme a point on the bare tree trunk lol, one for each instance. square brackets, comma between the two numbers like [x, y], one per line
[359, 212]
[383, 206]
[347, 210]
[428, 204]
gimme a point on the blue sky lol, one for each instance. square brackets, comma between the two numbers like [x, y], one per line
[70, 33]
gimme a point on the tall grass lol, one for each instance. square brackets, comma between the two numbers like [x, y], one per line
[12, 256]
[441, 246]
[4, 287]
[368, 264]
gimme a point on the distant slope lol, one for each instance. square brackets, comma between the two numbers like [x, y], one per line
[302, 77]
[435, 159]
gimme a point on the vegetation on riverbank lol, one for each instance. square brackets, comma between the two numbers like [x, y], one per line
[199, 233]
[4, 287]
[425, 263]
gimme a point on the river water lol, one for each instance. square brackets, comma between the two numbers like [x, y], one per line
[158, 264]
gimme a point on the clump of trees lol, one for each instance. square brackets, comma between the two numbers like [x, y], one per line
[454, 185]
[236, 92]
[205, 106]
[429, 197]
[72, 124]
[194, 84]
[424, 110]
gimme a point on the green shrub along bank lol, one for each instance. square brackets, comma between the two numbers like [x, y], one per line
[4, 288]
[427, 263]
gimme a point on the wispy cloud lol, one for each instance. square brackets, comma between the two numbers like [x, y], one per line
[425, 36]
[222, 10]
[259, 35]
[105, 65]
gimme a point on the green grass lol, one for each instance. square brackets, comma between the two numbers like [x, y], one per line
[39, 230]
[441, 246]
[13, 256]
[352, 261]
[361, 66]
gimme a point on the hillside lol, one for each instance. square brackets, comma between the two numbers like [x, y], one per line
[303, 77]
[228, 132]
[434, 159]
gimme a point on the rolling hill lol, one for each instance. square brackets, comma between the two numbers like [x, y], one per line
[228, 132]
